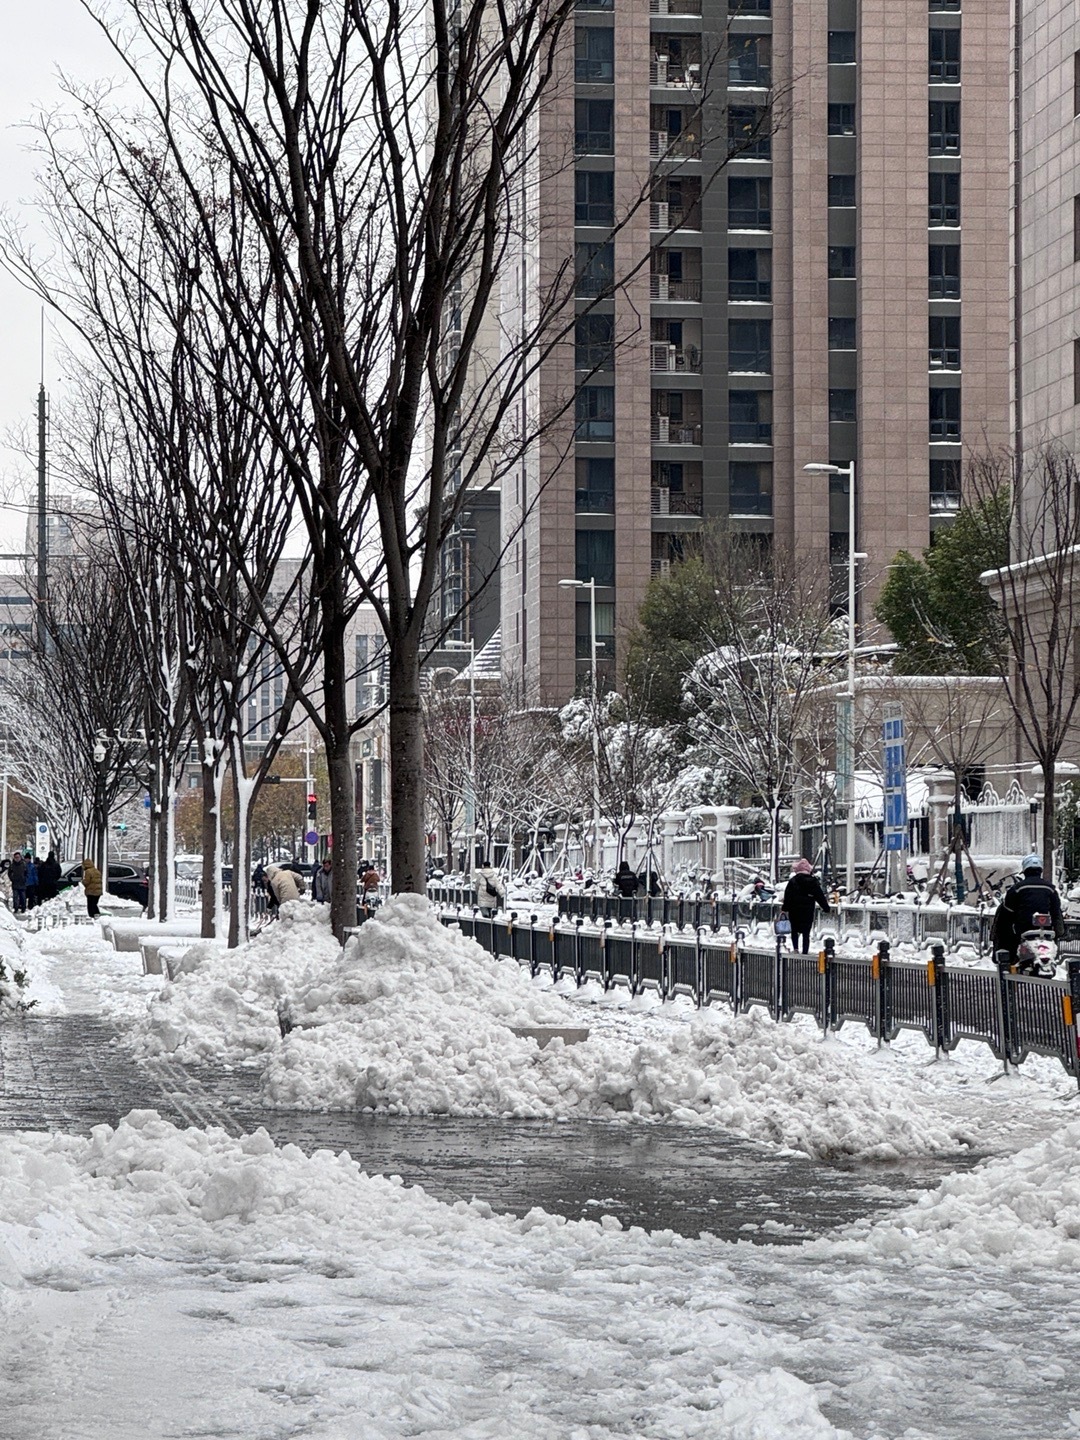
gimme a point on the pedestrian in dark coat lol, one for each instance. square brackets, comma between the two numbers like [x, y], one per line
[626, 882]
[802, 895]
[323, 885]
[32, 897]
[17, 876]
[49, 877]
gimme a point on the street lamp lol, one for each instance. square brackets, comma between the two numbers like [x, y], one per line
[470, 816]
[590, 585]
[845, 712]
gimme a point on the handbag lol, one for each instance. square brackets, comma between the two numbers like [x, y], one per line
[782, 925]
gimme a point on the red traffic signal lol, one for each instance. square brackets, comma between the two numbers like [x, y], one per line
[312, 799]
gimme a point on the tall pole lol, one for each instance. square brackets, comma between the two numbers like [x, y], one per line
[850, 726]
[42, 497]
[472, 754]
[597, 854]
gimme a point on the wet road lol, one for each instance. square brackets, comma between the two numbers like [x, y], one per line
[72, 1073]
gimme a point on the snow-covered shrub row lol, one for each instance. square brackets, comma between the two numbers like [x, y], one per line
[443, 1318]
[413, 1018]
[1021, 1211]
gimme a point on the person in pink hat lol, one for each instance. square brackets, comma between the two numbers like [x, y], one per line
[802, 895]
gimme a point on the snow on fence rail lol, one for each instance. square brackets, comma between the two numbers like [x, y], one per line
[1015, 1015]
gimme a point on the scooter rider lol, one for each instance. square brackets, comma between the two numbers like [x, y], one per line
[1030, 896]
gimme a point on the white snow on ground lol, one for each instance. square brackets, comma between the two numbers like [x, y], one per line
[413, 1018]
[256, 1288]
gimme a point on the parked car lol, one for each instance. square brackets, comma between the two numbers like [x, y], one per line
[124, 881]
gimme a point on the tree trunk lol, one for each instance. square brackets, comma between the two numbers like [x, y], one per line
[209, 849]
[406, 769]
[339, 767]
[243, 795]
[1049, 816]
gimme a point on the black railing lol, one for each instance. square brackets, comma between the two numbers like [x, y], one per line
[1015, 1015]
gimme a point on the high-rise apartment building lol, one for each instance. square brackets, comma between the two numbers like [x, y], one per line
[836, 291]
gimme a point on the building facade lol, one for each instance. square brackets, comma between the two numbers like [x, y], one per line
[812, 201]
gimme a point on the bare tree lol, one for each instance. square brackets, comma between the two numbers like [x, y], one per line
[750, 698]
[1039, 596]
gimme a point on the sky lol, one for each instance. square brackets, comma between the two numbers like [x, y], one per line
[39, 41]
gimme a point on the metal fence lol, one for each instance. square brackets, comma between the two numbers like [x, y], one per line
[1015, 1015]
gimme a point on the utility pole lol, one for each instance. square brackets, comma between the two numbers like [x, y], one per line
[42, 499]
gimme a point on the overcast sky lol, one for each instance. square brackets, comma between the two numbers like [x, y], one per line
[38, 40]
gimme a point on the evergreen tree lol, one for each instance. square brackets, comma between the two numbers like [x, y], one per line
[940, 615]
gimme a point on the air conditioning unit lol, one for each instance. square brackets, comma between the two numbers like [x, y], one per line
[663, 428]
[661, 286]
[661, 69]
[661, 209]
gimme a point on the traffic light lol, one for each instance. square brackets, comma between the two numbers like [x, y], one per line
[122, 828]
[312, 803]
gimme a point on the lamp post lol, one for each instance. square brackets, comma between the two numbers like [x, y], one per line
[845, 713]
[470, 805]
[590, 585]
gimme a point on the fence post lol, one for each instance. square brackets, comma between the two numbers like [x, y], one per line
[879, 969]
[579, 978]
[937, 978]
[735, 970]
[699, 973]
[779, 978]
[824, 965]
[1071, 1006]
[532, 946]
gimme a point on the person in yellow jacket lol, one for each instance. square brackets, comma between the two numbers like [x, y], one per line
[92, 887]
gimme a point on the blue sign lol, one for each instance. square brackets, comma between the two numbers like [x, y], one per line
[895, 775]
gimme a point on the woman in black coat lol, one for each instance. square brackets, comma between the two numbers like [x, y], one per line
[48, 877]
[802, 895]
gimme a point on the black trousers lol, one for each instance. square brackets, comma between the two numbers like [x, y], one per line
[800, 931]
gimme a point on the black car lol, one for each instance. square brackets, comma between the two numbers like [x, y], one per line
[124, 881]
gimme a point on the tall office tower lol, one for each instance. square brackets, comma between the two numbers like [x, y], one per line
[1048, 250]
[838, 291]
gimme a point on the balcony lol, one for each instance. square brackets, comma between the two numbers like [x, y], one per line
[750, 432]
[660, 567]
[668, 359]
[665, 287]
[665, 431]
[594, 502]
[674, 502]
[944, 502]
[666, 216]
[944, 357]
[664, 146]
[675, 74]
[674, 7]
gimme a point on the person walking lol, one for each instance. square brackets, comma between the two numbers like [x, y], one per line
[49, 877]
[626, 882]
[323, 884]
[489, 890]
[802, 896]
[32, 896]
[17, 876]
[92, 886]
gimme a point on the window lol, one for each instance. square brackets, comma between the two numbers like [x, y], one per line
[841, 47]
[944, 272]
[749, 202]
[749, 60]
[595, 4]
[944, 485]
[594, 342]
[750, 346]
[605, 628]
[841, 332]
[1076, 82]
[749, 274]
[842, 119]
[1076, 372]
[944, 127]
[944, 5]
[841, 192]
[595, 269]
[594, 197]
[749, 137]
[944, 191]
[841, 262]
[669, 475]
[944, 414]
[750, 487]
[595, 486]
[594, 127]
[842, 405]
[594, 411]
[749, 417]
[749, 7]
[594, 54]
[944, 342]
[944, 57]
[596, 557]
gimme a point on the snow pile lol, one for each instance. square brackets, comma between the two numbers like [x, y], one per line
[440, 1318]
[226, 1003]
[1019, 1211]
